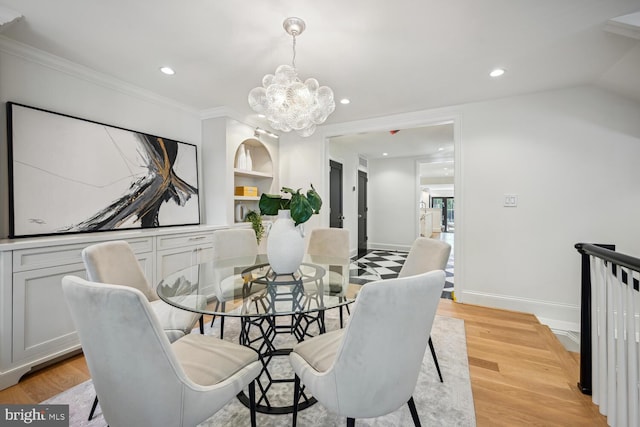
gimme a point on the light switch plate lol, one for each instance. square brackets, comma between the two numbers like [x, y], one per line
[511, 200]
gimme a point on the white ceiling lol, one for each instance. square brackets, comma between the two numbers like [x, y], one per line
[387, 56]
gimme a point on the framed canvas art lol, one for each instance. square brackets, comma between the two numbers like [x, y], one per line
[70, 175]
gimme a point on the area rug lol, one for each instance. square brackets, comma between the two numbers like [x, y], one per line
[439, 404]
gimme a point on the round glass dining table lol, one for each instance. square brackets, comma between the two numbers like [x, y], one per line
[268, 305]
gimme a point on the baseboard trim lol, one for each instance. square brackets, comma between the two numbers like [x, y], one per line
[388, 247]
[561, 317]
[572, 337]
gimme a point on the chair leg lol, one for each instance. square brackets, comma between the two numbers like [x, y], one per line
[221, 318]
[222, 322]
[296, 397]
[351, 422]
[341, 322]
[435, 358]
[201, 322]
[213, 319]
[414, 412]
[93, 408]
[252, 402]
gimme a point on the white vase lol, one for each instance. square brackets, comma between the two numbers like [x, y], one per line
[241, 163]
[249, 161]
[285, 244]
[241, 212]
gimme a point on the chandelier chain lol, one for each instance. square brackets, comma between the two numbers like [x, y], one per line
[293, 60]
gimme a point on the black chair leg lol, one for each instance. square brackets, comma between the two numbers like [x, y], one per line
[221, 319]
[435, 358]
[201, 322]
[296, 397]
[414, 412]
[341, 322]
[252, 402]
[351, 422]
[93, 408]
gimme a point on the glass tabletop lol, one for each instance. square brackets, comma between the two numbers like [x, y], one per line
[248, 287]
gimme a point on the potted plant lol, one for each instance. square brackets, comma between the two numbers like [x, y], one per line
[300, 205]
[255, 219]
[285, 243]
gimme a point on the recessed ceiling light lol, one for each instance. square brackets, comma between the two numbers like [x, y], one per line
[345, 101]
[497, 72]
[441, 149]
[167, 70]
[385, 154]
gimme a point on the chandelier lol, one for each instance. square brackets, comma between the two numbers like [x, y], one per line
[287, 102]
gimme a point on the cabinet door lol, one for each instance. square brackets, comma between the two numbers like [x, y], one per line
[171, 260]
[42, 323]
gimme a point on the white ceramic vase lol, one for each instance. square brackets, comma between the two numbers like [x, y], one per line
[241, 162]
[249, 161]
[285, 244]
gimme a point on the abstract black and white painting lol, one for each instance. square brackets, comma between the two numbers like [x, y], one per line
[69, 175]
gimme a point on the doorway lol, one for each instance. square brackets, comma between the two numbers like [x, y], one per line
[362, 213]
[336, 217]
[447, 205]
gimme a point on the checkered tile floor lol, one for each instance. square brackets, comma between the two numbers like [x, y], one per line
[378, 264]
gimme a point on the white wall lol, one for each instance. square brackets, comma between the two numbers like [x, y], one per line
[393, 206]
[30, 77]
[571, 157]
[305, 161]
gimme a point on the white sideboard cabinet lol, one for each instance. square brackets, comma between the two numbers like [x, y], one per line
[35, 323]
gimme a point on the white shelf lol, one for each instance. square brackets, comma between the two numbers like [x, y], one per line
[251, 174]
[246, 197]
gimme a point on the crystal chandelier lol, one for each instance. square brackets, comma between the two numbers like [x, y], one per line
[287, 102]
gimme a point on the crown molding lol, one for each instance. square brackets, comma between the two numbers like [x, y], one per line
[230, 113]
[217, 112]
[627, 25]
[8, 16]
[40, 57]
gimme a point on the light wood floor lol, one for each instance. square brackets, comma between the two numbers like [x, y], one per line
[520, 373]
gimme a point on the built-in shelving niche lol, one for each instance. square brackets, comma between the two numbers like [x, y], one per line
[260, 175]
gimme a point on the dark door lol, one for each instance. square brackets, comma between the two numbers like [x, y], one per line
[335, 195]
[362, 213]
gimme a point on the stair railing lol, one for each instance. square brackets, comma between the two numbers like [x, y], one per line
[610, 332]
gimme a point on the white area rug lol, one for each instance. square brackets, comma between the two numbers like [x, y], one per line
[439, 404]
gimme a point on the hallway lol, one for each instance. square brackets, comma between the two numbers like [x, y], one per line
[387, 265]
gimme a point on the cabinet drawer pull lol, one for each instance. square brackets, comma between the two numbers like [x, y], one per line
[197, 238]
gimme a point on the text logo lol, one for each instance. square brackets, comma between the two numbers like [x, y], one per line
[34, 415]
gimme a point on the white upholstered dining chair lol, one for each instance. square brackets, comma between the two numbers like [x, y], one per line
[140, 377]
[115, 262]
[425, 255]
[227, 244]
[332, 242]
[370, 369]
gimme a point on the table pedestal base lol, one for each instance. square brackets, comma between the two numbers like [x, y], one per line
[263, 344]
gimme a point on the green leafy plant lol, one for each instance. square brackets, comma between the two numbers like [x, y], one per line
[255, 219]
[300, 205]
